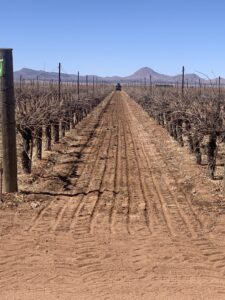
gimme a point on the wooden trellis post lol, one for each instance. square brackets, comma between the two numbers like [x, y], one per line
[8, 155]
[183, 82]
[78, 86]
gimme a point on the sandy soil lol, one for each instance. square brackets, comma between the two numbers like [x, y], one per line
[117, 211]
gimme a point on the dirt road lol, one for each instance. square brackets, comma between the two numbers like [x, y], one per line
[117, 211]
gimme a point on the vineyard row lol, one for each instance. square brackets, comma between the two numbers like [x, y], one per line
[194, 118]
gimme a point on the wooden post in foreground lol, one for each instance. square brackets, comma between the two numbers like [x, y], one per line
[8, 155]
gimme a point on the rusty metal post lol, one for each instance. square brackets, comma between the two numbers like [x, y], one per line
[8, 154]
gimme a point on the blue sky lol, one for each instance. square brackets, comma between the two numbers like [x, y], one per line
[116, 37]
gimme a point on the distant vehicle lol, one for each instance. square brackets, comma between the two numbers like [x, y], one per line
[118, 87]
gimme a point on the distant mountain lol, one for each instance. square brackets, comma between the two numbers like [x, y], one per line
[140, 75]
[146, 72]
[143, 73]
[30, 74]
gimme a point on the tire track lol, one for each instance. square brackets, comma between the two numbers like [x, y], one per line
[174, 214]
[95, 182]
[99, 129]
[182, 201]
[105, 207]
[143, 195]
[62, 209]
[178, 199]
[120, 210]
[123, 203]
[158, 206]
[176, 219]
[38, 216]
[95, 212]
[183, 197]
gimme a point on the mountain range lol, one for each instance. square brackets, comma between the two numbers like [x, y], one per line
[142, 74]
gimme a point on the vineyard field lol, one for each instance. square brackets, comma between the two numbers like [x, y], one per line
[118, 209]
